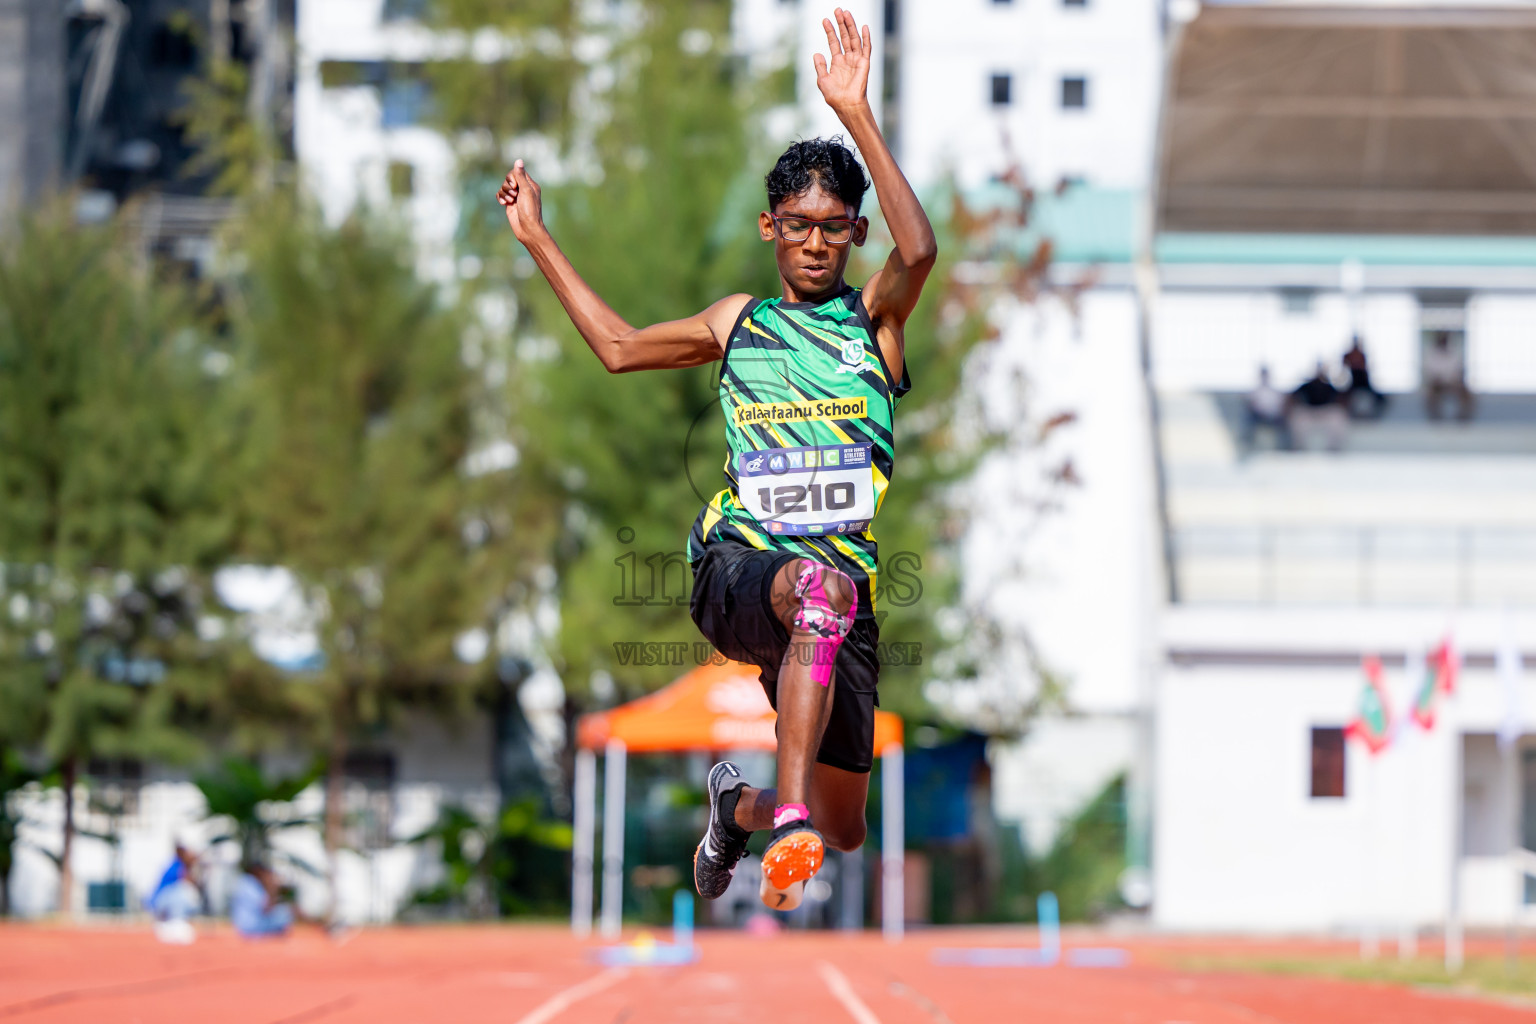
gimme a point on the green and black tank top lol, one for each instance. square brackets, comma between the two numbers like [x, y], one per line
[809, 405]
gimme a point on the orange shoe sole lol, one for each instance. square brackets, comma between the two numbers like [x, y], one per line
[794, 858]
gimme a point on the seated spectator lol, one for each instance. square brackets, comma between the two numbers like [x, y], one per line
[1318, 405]
[176, 898]
[1445, 374]
[1265, 407]
[1362, 400]
[260, 905]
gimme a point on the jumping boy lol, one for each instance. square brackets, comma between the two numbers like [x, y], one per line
[783, 558]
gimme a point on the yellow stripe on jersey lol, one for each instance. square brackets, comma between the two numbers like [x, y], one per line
[851, 551]
[749, 325]
[713, 513]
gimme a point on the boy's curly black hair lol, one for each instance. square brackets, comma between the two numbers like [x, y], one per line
[824, 162]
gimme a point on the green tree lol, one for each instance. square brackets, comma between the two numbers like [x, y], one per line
[107, 517]
[359, 420]
[1084, 864]
[668, 229]
[657, 209]
[15, 776]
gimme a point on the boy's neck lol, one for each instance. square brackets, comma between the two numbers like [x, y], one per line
[833, 290]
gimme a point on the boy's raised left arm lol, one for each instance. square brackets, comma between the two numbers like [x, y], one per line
[892, 293]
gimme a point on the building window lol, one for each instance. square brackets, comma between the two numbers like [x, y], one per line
[1327, 762]
[369, 799]
[115, 785]
[402, 179]
[173, 44]
[1297, 301]
[1074, 93]
[403, 102]
[405, 10]
[1002, 90]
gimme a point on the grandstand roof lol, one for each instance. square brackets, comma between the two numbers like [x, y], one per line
[1367, 118]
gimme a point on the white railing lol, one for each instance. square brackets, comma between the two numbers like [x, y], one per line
[1435, 565]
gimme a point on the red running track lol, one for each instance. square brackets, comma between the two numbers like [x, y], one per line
[540, 975]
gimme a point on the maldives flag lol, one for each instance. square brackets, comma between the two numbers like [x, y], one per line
[1373, 722]
[1445, 665]
[1441, 668]
[1426, 697]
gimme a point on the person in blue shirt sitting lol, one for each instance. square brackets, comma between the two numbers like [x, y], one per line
[261, 905]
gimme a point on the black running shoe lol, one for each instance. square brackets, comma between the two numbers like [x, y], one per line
[724, 841]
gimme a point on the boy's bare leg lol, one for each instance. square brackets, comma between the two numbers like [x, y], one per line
[805, 696]
[837, 801]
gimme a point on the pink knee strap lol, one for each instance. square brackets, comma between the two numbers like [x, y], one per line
[818, 618]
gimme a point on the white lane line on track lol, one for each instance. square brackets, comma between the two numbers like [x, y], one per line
[567, 998]
[838, 985]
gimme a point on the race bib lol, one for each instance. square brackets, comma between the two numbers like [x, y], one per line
[825, 489]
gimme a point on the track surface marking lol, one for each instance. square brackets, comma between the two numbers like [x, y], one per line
[540, 975]
[562, 1001]
[844, 993]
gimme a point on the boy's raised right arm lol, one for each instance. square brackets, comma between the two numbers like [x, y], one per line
[692, 341]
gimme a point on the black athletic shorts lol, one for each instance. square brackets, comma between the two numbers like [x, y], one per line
[731, 606]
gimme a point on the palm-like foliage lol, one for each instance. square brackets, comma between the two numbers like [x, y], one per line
[253, 808]
[514, 864]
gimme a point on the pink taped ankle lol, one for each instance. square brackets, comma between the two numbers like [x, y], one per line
[818, 618]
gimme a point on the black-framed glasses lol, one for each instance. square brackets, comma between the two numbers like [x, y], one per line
[798, 229]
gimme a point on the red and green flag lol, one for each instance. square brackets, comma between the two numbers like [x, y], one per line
[1445, 665]
[1373, 722]
[1440, 671]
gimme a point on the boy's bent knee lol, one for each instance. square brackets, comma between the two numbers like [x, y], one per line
[830, 585]
[845, 836]
[827, 601]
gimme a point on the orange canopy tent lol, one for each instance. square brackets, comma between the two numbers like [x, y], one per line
[714, 707]
[718, 706]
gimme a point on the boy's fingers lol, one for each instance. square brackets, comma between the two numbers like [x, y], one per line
[868, 48]
[820, 63]
[846, 29]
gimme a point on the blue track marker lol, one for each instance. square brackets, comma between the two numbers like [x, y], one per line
[645, 951]
[1048, 955]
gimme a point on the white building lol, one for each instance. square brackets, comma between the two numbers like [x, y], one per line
[1209, 605]
[1304, 195]
[1067, 87]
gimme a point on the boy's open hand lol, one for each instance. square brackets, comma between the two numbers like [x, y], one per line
[843, 81]
[519, 194]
